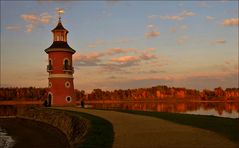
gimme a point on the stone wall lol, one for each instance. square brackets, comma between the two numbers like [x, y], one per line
[74, 127]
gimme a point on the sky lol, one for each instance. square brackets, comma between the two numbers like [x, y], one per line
[124, 44]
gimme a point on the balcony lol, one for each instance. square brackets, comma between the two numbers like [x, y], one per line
[49, 68]
[68, 68]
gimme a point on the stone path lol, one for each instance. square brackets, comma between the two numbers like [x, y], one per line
[135, 131]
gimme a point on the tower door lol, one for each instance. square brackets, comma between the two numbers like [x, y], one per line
[49, 100]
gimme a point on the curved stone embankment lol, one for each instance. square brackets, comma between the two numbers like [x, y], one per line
[74, 127]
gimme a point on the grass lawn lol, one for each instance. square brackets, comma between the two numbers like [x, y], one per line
[226, 127]
[100, 134]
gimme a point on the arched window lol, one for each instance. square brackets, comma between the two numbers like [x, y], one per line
[62, 37]
[66, 64]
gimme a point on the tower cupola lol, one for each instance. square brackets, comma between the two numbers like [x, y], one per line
[59, 32]
[59, 39]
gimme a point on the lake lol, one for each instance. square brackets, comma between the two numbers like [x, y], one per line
[220, 109]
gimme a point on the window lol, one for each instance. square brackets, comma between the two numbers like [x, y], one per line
[67, 84]
[50, 85]
[68, 99]
[67, 64]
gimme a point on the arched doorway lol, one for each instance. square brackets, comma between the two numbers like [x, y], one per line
[49, 99]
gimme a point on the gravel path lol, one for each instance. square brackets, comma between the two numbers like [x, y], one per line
[135, 131]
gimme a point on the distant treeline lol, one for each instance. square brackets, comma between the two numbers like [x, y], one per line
[158, 92]
[164, 92]
[29, 93]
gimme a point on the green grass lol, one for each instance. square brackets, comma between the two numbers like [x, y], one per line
[226, 127]
[100, 134]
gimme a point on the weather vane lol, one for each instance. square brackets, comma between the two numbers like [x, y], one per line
[60, 11]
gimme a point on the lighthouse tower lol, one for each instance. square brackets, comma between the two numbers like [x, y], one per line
[60, 69]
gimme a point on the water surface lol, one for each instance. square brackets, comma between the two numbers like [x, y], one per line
[220, 109]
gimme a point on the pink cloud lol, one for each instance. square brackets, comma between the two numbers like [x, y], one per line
[187, 13]
[29, 18]
[147, 56]
[220, 41]
[151, 49]
[179, 17]
[29, 27]
[33, 20]
[152, 34]
[153, 31]
[114, 51]
[124, 59]
[91, 59]
[217, 42]
[173, 17]
[231, 22]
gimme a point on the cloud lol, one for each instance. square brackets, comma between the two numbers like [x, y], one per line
[116, 59]
[33, 20]
[125, 59]
[13, 27]
[186, 13]
[152, 34]
[220, 41]
[210, 18]
[151, 49]
[152, 31]
[114, 51]
[29, 27]
[91, 59]
[179, 17]
[173, 17]
[231, 22]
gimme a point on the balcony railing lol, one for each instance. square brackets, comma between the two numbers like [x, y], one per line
[68, 68]
[49, 68]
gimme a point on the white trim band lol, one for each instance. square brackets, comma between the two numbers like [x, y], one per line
[60, 76]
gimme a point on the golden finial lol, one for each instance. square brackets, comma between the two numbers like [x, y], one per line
[60, 11]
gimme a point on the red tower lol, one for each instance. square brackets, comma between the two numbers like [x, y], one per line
[61, 86]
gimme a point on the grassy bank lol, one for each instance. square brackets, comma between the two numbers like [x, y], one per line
[226, 127]
[100, 134]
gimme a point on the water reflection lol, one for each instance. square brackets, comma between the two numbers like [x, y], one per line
[12, 110]
[223, 109]
[6, 141]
